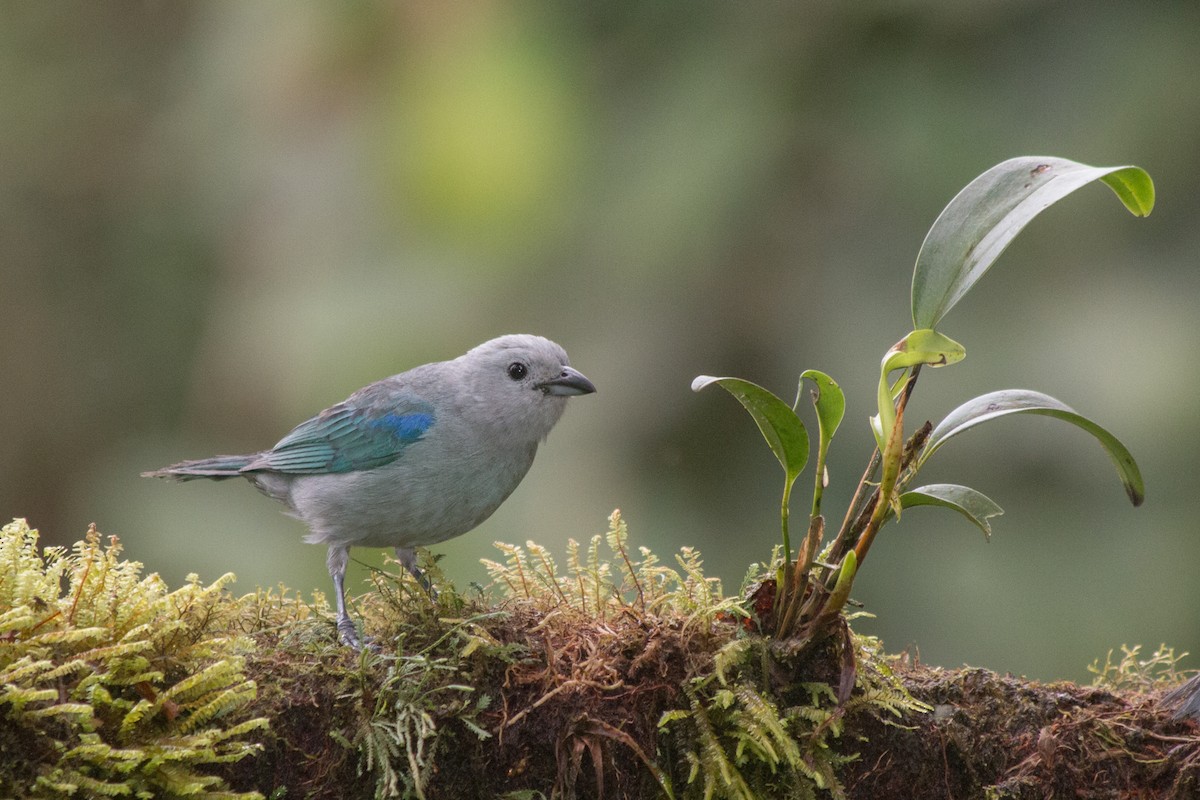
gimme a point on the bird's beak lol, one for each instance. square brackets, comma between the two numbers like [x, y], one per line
[569, 382]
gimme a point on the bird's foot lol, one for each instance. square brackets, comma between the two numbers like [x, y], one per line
[408, 559]
[348, 635]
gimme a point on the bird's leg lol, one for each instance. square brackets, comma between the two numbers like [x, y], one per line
[347, 633]
[407, 557]
[336, 561]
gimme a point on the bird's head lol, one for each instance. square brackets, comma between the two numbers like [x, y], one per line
[524, 380]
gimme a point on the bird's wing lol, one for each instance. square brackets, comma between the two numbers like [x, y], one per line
[349, 436]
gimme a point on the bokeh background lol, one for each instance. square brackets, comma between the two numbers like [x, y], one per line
[217, 218]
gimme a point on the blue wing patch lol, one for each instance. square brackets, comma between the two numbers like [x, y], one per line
[406, 427]
[348, 437]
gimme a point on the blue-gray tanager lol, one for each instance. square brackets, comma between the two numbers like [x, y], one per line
[413, 459]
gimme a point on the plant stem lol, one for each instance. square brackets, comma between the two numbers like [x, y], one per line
[793, 599]
[783, 520]
[857, 503]
[891, 474]
[854, 522]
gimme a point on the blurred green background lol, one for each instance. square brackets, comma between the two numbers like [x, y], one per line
[218, 218]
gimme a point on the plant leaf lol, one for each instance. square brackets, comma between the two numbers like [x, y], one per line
[829, 401]
[830, 404]
[1024, 401]
[975, 227]
[783, 430]
[973, 505]
[922, 346]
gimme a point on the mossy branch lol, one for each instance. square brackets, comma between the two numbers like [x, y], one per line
[647, 682]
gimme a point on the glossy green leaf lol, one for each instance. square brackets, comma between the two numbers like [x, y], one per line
[1023, 401]
[783, 430]
[829, 402]
[973, 505]
[923, 346]
[975, 227]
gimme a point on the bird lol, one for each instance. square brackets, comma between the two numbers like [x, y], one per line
[413, 459]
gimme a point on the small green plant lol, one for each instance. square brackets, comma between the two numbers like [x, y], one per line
[1133, 672]
[641, 583]
[742, 736]
[811, 586]
[732, 725]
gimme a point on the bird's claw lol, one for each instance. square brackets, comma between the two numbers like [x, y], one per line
[348, 635]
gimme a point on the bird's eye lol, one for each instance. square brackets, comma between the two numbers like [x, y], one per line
[517, 371]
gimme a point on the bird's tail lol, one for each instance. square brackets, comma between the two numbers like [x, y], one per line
[215, 468]
[1183, 700]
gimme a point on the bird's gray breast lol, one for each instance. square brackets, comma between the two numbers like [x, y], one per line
[442, 486]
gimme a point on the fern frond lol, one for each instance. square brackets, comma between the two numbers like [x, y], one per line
[80, 711]
[25, 669]
[69, 636]
[759, 724]
[513, 573]
[14, 620]
[716, 770]
[93, 786]
[617, 539]
[221, 703]
[732, 654]
[546, 572]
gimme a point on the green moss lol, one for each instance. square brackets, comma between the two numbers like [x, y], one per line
[616, 675]
[111, 685]
[749, 717]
